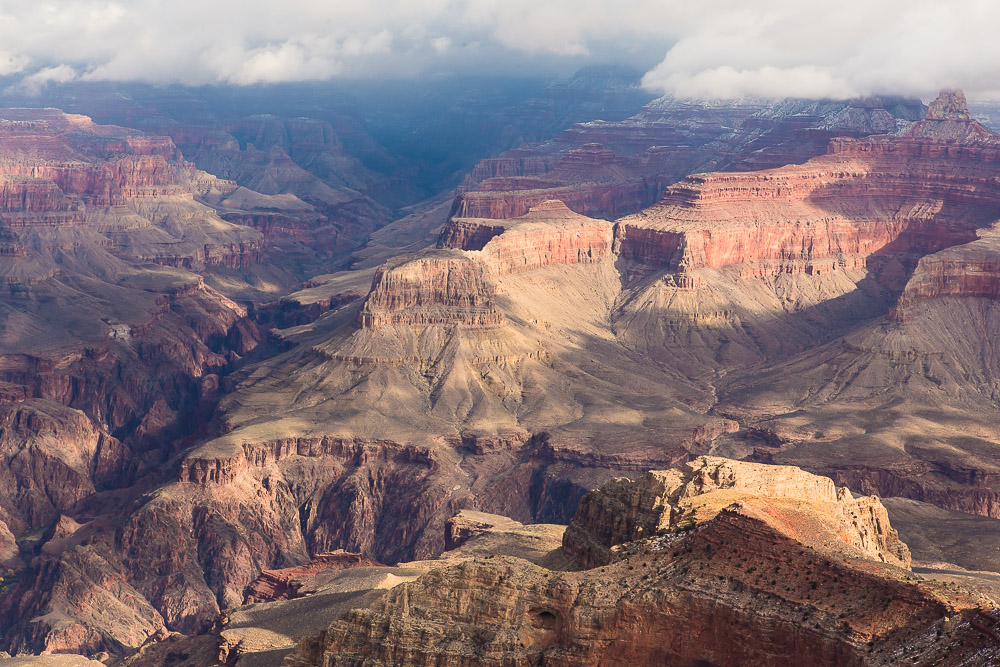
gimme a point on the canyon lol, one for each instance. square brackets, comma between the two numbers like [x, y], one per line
[260, 404]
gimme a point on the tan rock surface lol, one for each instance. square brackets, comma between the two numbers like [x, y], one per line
[680, 499]
[759, 580]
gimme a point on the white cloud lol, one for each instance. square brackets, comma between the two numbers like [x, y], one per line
[711, 47]
[33, 84]
[767, 81]
[780, 48]
[441, 44]
[11, 64]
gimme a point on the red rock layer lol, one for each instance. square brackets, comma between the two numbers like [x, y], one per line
[873, 196]
[609, 169]
[607, 200]
[549, 233]
[970, 271]
[286, 583]
[107, 184]
[20, 194]
[527, 250]
[512, 163]
[463, 234]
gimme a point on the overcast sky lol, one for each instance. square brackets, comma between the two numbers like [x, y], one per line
[705, 48]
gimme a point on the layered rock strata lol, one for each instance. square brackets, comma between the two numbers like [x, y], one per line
[768, 574]
[904, 404]
[528, 359]
[609, 169]
[665, 501]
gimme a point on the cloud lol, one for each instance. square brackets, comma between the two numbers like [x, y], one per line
[33, 84]
[441, 44]
[778, 48]
[710, 48]
[11, 64]
[768, 82]
[225, 41]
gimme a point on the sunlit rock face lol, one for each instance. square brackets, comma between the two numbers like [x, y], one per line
[738, 563]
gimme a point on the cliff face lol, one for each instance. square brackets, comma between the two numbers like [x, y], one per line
[53, 458]
[739, 587]
[922, 375]
[970, 271]
[548, 234]
[610, 169]
[430, 291]
[861, 199]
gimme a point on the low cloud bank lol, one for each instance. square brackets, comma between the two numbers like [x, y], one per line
[713, 48]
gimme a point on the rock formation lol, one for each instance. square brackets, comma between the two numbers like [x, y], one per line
[949, 105]
[929, 398]
[534, 354]
[664, 501]
[288, 582]
[114, 339]
[766, 574]
[609, 169]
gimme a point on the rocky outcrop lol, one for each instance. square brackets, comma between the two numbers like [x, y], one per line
[969, 271]
[455, 289]
[444, 289]
[949, 105]
[514, 163]
[467, 524]
[747, 585]
[549, 233]
[664, 501]
[53, 457]
[22, 194]
[468, 234]
[201, 468]
[286, 583]
[607, 200]
[496, 611]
